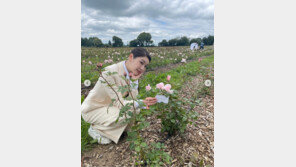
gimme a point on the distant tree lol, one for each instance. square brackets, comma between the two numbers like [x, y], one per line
[109, 44]
[134, 43]
[117, 42]
[163, 43]
[173, 42]
[210, 40]
[84, 42]
[150, 43]
[205, 40]
[183, 41]
[95, 41]
[144, 39]
[196, 40]
[91, 42]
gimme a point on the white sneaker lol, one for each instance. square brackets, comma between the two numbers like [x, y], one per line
[95, 135]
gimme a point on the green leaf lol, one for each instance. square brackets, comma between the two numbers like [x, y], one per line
[130, 113]
[137, 142]
[143, 144]
[94, 141]
[138, 149]
[158, 145]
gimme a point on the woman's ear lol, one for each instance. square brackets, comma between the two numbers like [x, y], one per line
[130, 57]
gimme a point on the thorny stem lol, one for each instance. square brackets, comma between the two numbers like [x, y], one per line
[133, 101]
[118, 96]
[113, 91]
[142, 155]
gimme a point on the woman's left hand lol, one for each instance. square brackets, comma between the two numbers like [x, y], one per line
[135, 77]
[149, 101]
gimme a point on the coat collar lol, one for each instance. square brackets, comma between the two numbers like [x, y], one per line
[121, 68]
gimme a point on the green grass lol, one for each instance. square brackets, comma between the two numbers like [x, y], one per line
[86, 140]
[178, 75]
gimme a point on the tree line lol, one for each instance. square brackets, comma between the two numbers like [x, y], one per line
[184, 41]
[145, 40]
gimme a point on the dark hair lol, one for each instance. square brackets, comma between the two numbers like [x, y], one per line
[141, 52]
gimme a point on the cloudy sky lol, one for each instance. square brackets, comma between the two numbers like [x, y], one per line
[163, 19]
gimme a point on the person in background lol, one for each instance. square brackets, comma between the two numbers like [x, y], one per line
[201, 46]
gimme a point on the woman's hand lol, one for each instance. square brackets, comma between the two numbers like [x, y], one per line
[149, 101]
[135, 77]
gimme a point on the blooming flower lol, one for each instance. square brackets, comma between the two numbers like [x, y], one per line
[160, 85]
[106, 61]
[183, 61]
[99, 64]
[148, 87]
[110, 61]
[87, 83]
[200, 59]
[90, 62]
[167, 87]
[168, 77]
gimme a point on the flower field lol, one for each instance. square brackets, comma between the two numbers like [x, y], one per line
[161, 57]
[180, 133]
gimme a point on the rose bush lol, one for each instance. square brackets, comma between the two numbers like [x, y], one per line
[174, 116]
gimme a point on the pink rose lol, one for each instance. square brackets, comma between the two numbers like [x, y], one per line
[99, 65]
[167, 87]
[171, 91]
[148, 87]
[160, 85]
[168, 77]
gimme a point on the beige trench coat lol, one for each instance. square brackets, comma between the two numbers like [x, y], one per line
[94, 107]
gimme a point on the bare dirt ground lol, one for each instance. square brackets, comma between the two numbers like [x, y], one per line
[193, 148]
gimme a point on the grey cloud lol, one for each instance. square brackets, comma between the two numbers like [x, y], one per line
[154, 9]
[163, 19]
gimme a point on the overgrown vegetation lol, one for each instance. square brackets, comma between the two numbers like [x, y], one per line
[174, 116]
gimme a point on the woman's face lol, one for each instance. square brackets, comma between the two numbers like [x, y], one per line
[138, 65]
